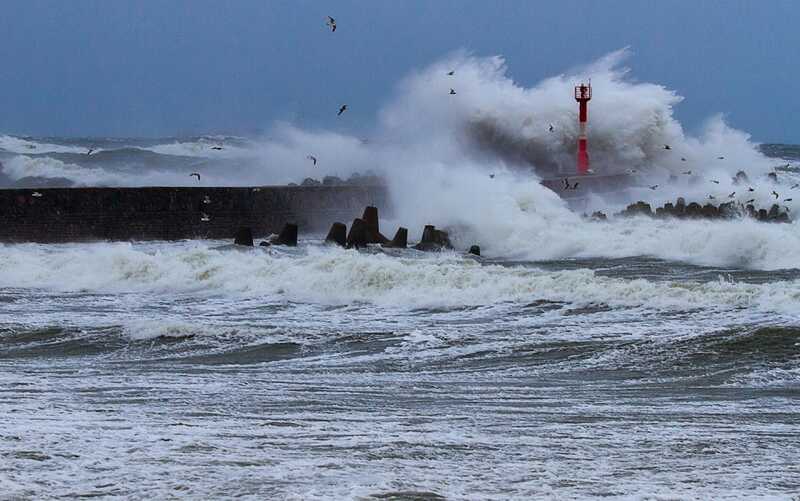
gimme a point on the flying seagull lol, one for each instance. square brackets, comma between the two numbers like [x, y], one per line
[711, 197]
[36, 194]
[654, 187]
[451, 72]
[491, 176]
[551, 129]
[732, 194]
[207, 200]
[776, 194]
[794, 186]
[688, 172]
[452, 92]
[720, 158]
[342, 110]
[204, 217]
[750, 201]
[195, 174]
[331, 23]
[683, 159]
[312, 158]
[787, 199]
[715, 181]
[218, 148]
[667, 147]
[91, 150]
[750, 189]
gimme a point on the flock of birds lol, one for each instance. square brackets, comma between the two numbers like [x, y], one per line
[330, 22]
[732, 195]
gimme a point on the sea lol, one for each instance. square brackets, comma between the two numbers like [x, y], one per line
[629, 359]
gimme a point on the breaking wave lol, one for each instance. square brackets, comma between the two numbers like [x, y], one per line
[437, 152]
[333, 276]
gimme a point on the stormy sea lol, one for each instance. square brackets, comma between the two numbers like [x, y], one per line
[633, 358]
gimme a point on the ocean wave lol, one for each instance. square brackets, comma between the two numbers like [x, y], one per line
[203, 147]
[21, 167]
[336, 277]
[19, 145]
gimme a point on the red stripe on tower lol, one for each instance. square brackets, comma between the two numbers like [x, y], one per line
[583, 93]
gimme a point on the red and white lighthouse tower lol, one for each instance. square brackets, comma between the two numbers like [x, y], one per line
[583, 93]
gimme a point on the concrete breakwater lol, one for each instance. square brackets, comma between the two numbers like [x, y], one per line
[159, 213]
[728, 210]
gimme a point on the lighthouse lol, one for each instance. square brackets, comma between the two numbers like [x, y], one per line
[583, 93]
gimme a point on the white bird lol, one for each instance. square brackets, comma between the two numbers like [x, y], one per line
[331, 23]
[204, 217]
[36, 194]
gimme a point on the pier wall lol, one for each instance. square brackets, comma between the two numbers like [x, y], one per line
[154, 213]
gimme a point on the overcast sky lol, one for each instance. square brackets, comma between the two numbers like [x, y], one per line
[173, 67]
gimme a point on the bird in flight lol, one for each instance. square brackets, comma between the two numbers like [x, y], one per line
[491, 176]
[207, 200]
[195, 174]
[91, 150]
[36, 194]
[720, 158]
[452, 92]
[683, 159]
[451, 72]
[776, 194]
[667, 147]
[218, 148]
[750, 201]
[750, 189]
[715, 181]
[787, 199]
[331, 23]
[342, 110]
[312, 158]
[204, 217]
[654, 187]
[551, 129]
[711, 197]
[794, 186]
[688, 172]
[733, 194]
